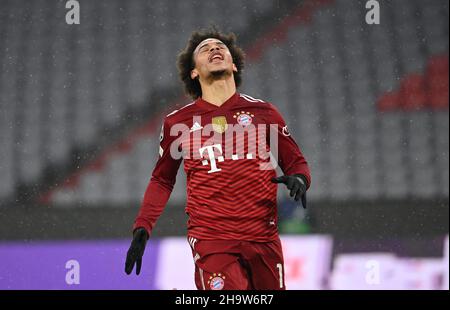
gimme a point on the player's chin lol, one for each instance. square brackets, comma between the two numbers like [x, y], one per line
[219, 65]
[219, 72]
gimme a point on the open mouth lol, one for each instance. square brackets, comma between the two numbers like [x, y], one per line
[215, 57]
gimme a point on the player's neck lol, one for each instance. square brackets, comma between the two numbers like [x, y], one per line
[219, 91]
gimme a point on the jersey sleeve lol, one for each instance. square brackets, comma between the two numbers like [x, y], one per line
[290, 158]
[161, 183]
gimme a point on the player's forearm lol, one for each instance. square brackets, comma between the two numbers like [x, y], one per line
[155, 199]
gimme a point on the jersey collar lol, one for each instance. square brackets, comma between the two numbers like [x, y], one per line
[209, 106]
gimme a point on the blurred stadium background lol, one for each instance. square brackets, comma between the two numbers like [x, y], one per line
[81, 107]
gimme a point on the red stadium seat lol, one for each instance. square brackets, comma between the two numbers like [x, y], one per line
[390, 101]
[412, 92]
[437, 82]
[420, 91]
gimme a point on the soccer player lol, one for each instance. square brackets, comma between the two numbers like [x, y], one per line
[231, 197]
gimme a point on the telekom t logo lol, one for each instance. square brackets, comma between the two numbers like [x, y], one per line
[210, 151]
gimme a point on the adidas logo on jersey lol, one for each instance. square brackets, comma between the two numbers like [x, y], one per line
[196, 127]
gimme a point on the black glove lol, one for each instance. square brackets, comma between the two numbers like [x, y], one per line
[296, 184]
[136, 250]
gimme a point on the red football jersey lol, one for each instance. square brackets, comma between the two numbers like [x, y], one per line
[227, 153]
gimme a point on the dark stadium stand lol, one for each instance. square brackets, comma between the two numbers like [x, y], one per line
[369, 107]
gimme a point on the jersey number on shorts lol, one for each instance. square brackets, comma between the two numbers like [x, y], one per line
[280, 274]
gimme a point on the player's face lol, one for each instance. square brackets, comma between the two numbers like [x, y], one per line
[212, 57]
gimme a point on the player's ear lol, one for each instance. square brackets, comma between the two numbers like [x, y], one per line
[235, 68]
[194, 74]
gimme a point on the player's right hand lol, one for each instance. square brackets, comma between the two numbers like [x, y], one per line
[136, 250]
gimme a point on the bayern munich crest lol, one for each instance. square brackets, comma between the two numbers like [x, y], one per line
[244, 118]
[216, 281]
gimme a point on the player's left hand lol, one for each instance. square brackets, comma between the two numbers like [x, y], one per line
[296, 184]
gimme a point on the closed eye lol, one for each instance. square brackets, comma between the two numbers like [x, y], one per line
[206, 47]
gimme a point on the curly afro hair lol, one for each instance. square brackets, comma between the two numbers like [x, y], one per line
[185, 60]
